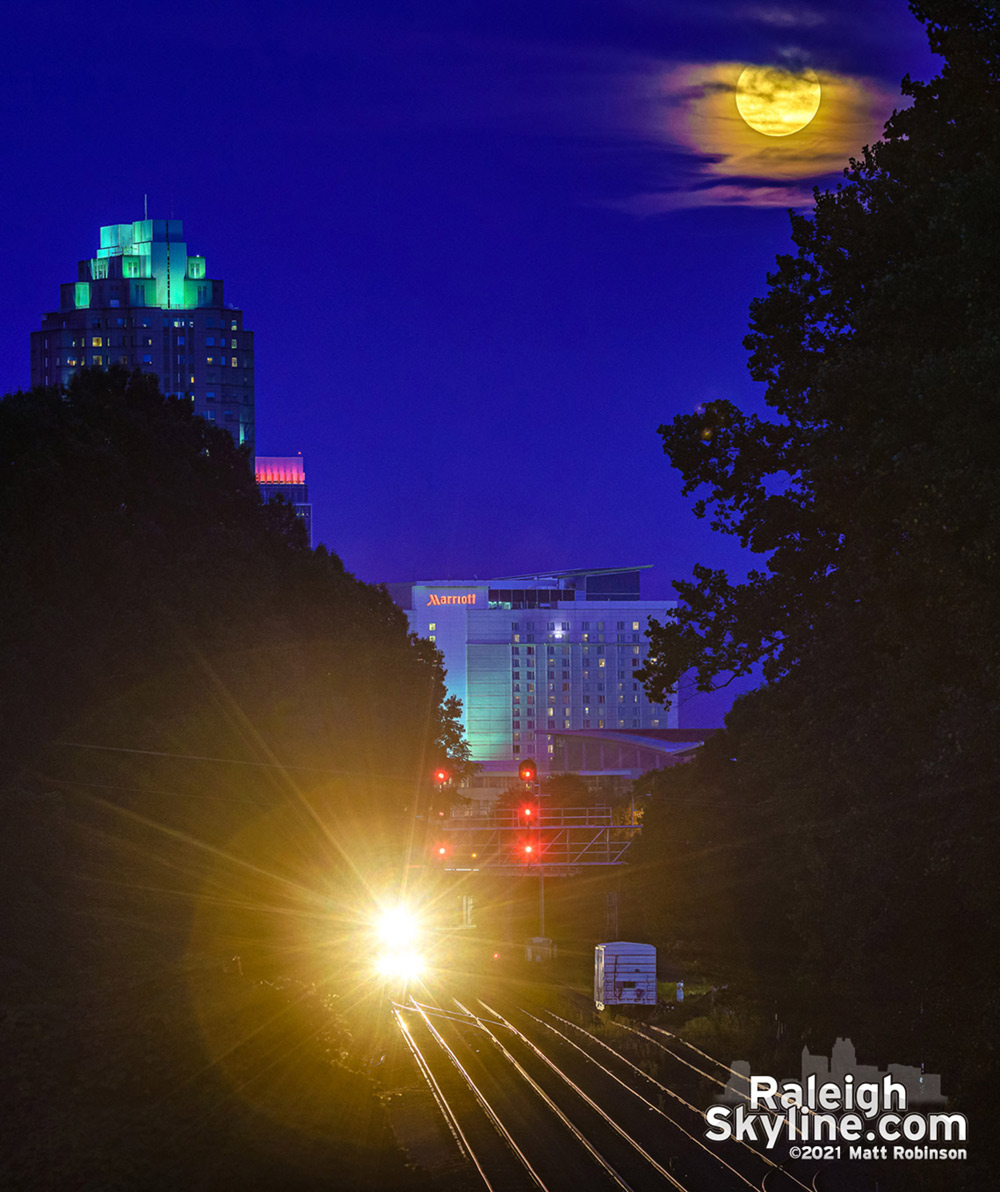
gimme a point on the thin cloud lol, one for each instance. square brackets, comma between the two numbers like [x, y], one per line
[725, 194]
[780, 17]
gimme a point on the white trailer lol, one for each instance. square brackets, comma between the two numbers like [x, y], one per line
[624, 974]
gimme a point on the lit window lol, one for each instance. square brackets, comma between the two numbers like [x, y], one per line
[232, 344]
[600, 662]
[432, 638]
[515, 748]
[98, 360]
[96, 342]
[432, 625]
[147, 359]
[635, 624]
[233, 362]
[517, 638]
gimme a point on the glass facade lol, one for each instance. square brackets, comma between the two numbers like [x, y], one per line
[536, 657]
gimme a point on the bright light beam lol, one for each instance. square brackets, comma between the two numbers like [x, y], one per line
[397, 928]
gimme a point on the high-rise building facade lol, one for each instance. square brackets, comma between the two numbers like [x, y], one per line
[539, 660]
[144, 302]
[285, 476]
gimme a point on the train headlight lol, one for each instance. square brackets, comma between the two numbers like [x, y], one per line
[397, 929]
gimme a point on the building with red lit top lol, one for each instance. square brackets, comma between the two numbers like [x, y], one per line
[285, 476]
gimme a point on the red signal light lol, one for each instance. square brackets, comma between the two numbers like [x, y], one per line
[527, 771]
[526, 812]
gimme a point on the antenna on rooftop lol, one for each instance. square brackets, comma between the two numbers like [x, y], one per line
[145, 206]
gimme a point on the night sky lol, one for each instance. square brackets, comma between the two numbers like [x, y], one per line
[485, 248]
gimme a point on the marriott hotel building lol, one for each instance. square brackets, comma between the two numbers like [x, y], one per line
[544, 665]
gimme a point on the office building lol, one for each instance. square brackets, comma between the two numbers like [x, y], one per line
[144, 302]
[545, 666]
[285, 476]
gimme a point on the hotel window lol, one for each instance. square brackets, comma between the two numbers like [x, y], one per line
[531, 649]
[531, 674]
[515, 748]
[565, 686]
[516, 650]
[515, 699]
[565, 674]
[95, 341]
[600, 624]
[586, 724]
[233, 362]
[517, 724]
[620, 625]
[515, 625]
[600, 662]
[147, 359]
[635, 637]
[232, 344]
[531, 724]
[635, 624]
[209, 359]
[432, 638]
[432, 625]
[209, 341]
[566, 724]
[98, 360]
[635, 661]
[516, 675]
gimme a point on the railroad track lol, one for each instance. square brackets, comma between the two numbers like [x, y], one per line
[536, 1101]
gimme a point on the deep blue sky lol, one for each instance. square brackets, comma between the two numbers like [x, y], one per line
[485, 248]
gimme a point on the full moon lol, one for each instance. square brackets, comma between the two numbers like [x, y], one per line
[777, 102]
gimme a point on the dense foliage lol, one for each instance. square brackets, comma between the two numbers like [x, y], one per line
[840, 832]
[213, 740]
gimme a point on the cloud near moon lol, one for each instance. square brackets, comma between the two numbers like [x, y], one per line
[692, 108]
[700, 112]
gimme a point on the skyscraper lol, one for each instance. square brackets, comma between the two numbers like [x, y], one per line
[144, 302]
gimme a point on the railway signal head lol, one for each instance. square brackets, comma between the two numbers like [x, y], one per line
[527, 771]
[442, 776]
